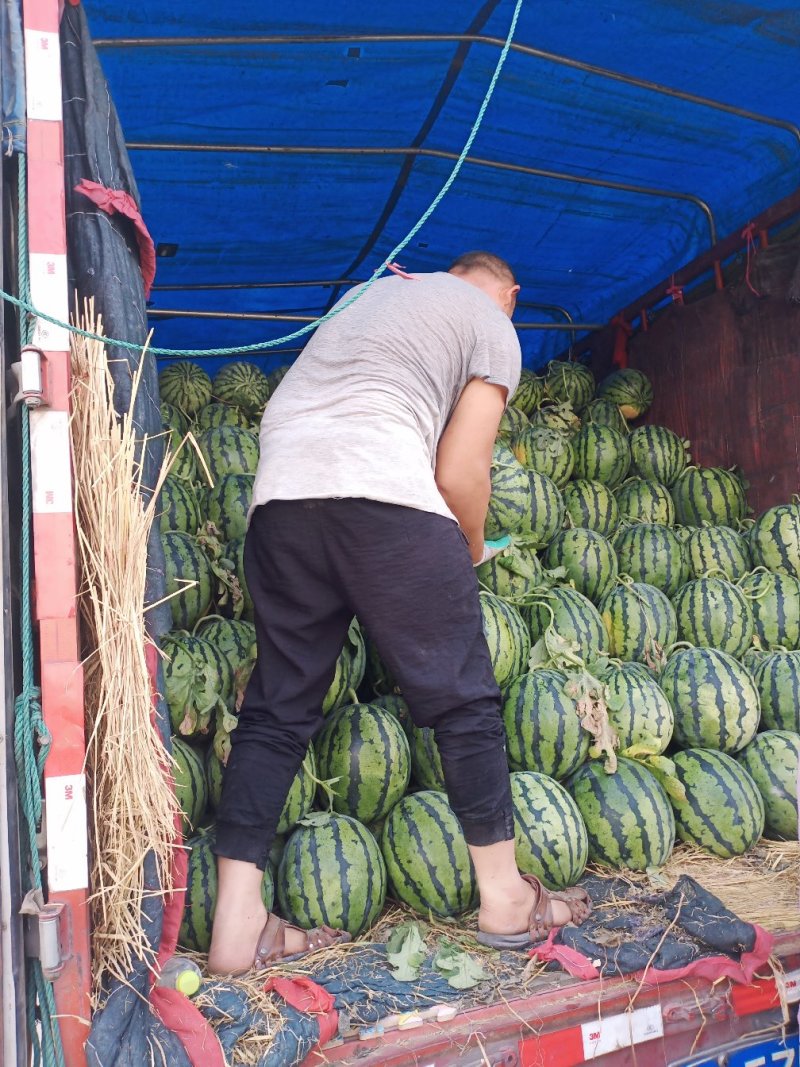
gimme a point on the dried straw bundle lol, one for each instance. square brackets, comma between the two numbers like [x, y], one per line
[131, 800]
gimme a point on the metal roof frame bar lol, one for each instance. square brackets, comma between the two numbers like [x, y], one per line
[269, 316]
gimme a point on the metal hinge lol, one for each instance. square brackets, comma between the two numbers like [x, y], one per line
[43, 933]
[29, 377]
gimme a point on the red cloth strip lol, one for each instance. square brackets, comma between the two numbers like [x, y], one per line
[623, 332]
[306, 996]
[117, 201]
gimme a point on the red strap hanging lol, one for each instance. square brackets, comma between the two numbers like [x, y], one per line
[306, 996]
[623, 332]
[117, 201]
[748, 234]
[676, 292]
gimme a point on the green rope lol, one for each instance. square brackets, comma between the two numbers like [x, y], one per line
[31, 737]
[26, 306]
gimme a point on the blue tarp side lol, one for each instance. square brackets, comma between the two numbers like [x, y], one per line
[205, 90]
[12, 76]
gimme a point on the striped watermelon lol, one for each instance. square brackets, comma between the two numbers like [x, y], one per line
[228, 450]
[558, 417]
[723, 811]
[182, 457]
[243, 386]
[198, 681]
[300, 798]
[775, 540]
[777, 678]
[332, 873]
[709, 494]
[714, 698]
[189, 579]
[717, 550]
[546, 451]
[227, 503]
[395, 705]
[426, 762]
[640, 500]
[426, 855]
[714, 613]
[573, 616]
[191, 788]
[173, 419]
[220, 415]
[601, 455]
[605, 413]
[180, 511]
[591, 505]
[276, 376]
[507, 637]
[235, 639]
[215, 772]
[637, 708]
[547, 509]
[234, 551]
[529, 394]
[543, 731]
[510, 501]
[658, 454]
[653, 554]
[775, 600]
[588, 558]
[771, 759]
[350, 668]
[186, 386]
[365, 749]
[569, 382]
[377, 676]
[512, 422]
[550, 839]
[627, 815]
[640, 623]
[629, 389]
[201, 893]
[512, 574]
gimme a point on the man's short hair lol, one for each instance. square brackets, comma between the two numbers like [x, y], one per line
[483, 261]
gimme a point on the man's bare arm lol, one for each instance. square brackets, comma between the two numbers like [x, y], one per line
[464, 458]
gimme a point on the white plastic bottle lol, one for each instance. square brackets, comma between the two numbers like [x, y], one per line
[181, 974]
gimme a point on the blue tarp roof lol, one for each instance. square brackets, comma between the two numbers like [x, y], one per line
[192, 74]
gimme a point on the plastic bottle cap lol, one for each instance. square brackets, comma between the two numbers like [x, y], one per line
[188, 982]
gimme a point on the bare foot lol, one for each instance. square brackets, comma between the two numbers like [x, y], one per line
[512, 914]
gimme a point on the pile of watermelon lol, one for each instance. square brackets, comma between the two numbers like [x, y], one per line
[636, 592]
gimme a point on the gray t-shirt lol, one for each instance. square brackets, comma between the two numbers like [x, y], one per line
[361, 411]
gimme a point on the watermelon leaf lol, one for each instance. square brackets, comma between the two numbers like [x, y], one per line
[315, 818]
[591, 704]
[406, 951]
[461, 970]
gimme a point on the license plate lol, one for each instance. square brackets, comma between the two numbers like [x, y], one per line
[778, 1052]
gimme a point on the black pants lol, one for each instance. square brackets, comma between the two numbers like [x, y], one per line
[311, 565]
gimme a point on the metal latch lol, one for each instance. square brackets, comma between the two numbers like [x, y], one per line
[43, 938]
[29, 377]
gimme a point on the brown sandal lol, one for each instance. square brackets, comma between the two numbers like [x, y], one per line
[271, 948]
[541, 919]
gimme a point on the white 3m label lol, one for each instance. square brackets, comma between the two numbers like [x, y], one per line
[43, 75]
[790, 983]
[67, 864]
[51, 464]
[621, 1031]
[49, 294]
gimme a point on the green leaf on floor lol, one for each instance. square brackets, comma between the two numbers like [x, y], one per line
[406, 951]
[461, 970]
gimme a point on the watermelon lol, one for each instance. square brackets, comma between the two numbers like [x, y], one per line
[546, 510]
[657, 454]
[529, 394]
[173, 419]
[709, 494]
[605, 413]
[276, 376]
[426, 761]
[627, 814]
[349, 673]
[178, 506]
[215, 772]
[777, 678]
[510, 501]
[236, 640]
[640, 623]
[220, 415]
[395, 705]
[547, 451]
[771, 759]
[300, 798]
[714, 613]
[189, 579]
[234, 552]
[365, 749]
[558, 417]
[638, 710]
[507, 637]
[228, 450]
[653, 554]
[550, 839]
[775, 600]
[191, 788]
[573, 616]
[629, 389]
[198, 682]
[640, 500]
[181, 457]
[601, 455]
[775, 539]
[512, 574]
[591, 505]
[185, 386]
[723, 811]
[714, 698]
[543, 731]
[377, 676]
[717, 550]
[426, 855]
[588, 559]
[570, 383]
[201, 893]
[512, 422]
[227, 503]
[241, 385]
[332, 873]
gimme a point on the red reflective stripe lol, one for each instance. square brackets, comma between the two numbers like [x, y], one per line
[564, 1048]
[762, 995]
